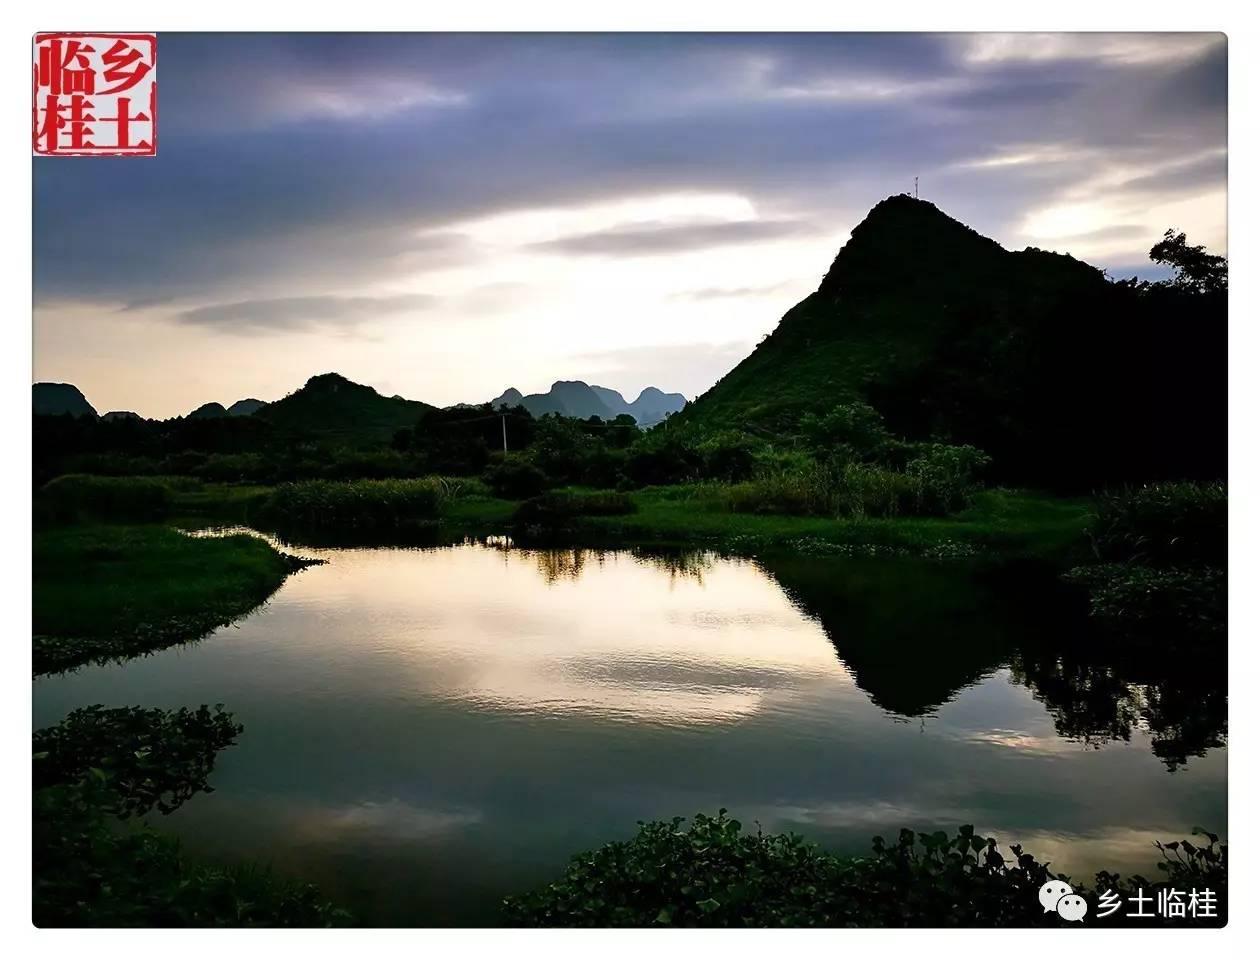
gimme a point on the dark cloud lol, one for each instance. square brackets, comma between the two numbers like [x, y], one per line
[288, 313]
[643, 239]
[1187, 177]
[319, 162]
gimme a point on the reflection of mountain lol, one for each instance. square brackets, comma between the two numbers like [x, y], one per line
[914, 633]
[911, 634]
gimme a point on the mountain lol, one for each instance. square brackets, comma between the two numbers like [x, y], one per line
[569, 398]
[574, 398]
[54, 399]
[1066, 378]
[245, 408]
[906, 275]
[510, 397]
[120, 415]
[612, 399]
[208, 411]
[333, 408]
[653, 405]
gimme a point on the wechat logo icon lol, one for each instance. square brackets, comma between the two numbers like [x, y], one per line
[1058, 897]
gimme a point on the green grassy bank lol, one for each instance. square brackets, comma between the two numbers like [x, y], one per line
[103, 591]
[700, 514]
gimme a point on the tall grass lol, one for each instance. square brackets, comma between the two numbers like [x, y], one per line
[926, 487]
[1162, 524]
[82, 497]
[356, 506]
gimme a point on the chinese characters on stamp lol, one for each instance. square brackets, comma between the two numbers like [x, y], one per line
[94, 94]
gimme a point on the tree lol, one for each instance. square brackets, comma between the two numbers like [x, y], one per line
[1195, 270]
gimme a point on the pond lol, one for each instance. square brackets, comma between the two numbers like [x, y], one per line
[427, 730]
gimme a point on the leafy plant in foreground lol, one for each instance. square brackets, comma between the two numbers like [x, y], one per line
[100, 764]
[713, 874]
[148, 758]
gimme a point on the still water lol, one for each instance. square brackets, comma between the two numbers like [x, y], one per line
[429, 730]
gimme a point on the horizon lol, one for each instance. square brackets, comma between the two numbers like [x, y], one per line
[645, 227]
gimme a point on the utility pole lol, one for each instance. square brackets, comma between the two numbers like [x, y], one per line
[503, 417]
[916, 188]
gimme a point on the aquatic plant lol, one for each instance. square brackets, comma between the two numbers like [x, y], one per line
[712, 873]
[99, 764]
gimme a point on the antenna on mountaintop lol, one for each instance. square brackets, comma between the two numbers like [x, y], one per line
[916, 188]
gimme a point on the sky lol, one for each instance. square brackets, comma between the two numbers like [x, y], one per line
[444, 216]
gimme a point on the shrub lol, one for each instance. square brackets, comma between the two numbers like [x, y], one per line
[1145, 601]
[79, 497]
[356, 506]
[856, 490]
[1162, 524]
[849, 431]
[661, 458]
[149, 758]
[712, 874]
[729, 456]
[949, 475]
[513, 477]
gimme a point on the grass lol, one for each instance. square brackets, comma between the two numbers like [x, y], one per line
[1000, 520]
[374, 511]
[110, 591]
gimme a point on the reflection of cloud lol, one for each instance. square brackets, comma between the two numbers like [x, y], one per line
[1026, 742]
[386, 820]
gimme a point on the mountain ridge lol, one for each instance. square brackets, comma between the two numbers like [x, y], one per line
[576, 398]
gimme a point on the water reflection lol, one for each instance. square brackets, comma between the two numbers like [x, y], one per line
[430, 729]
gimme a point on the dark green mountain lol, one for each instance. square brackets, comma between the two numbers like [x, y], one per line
[54, 399]
[330, 407]
[1066, 378]
[907, 277]
[114, 415]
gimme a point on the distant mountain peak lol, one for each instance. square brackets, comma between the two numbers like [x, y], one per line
[208, 411]
[332, 381]
[54, 399]
[577, 398]
[245, 408]
[331, 406]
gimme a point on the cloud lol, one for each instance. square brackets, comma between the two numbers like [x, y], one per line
[301, 174]
[399, 135]
[289, 313]
[732, 293]
[647, 239]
